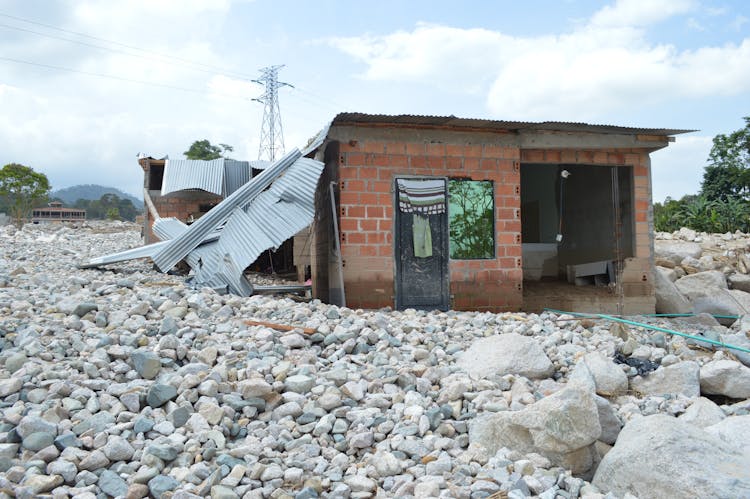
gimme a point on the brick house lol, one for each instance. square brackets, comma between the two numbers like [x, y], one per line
[469, 214]
[184, 205]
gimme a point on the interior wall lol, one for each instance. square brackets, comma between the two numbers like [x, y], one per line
[539, 203]
[588, 214]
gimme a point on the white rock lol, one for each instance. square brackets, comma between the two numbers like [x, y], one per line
[725, 377]
[506, 354]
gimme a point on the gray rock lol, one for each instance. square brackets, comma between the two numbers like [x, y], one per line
[683, 461]
[38, 440]
[118, 449]
[161, 484]
[98, 422]
[65, 469]
[15, 362]
[669, 299]
[179, 416]
[506, 354]
[720, 301]
[608, 420]
[95, 460]
[10, 386]
[739, 281]
[386, 464]
[701, 284]
[84, 308]
[609, 378]
[159, 394]
[739, 340]
[676, 251]
[734, 430]
[681, 378]
[725, 377]
[164, 452]
[111, 484]
[561, 427]
[254, 387]
[702, 413]
[299, 383]
[146, 363]
[35, 424]
[42, 483]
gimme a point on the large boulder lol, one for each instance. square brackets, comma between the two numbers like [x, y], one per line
[720, 301]
[669, 299]
[677, 251]
[561, 427]
[506, 354]
[662, 457]
[739, 340]
[739, 281]
[701, 284]
[734, 430]
[682, 377]
[725, 377]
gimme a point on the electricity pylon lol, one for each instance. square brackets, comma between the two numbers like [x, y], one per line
[271, 133]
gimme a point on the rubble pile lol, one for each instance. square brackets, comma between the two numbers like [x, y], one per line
[127, 383]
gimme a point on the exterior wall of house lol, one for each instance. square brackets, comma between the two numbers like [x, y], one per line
[369, 159]
[367, 168]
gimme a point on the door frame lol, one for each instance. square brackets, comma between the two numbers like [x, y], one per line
[445, 287]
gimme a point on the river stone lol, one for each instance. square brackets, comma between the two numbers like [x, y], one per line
[111, 484]
[669, 299]
[681, 378]
[683, 461]
[725, 377]
[38, 441]
[560, 427]
[146, 363]
[42, 483]
[98, 422]
[118, 449]
[161, 484]
[159, 394]
[10, 386]
[506, 354]
[702, 413]
[35, 424]
[609, 378]
[15, 362]
[676, 251]
[299, 383]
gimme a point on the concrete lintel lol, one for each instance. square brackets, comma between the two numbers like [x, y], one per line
[529, 139]
[429, 135]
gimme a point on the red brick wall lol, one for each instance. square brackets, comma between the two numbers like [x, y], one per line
[179, 205]
[366, 171]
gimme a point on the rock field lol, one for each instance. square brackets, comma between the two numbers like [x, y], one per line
[125, 382]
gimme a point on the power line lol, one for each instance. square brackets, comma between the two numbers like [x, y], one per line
[119, 78]
[110, 49]
[132, 47]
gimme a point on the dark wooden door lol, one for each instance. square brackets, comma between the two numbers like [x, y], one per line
[421, 269]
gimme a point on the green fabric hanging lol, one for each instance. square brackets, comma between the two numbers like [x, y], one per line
[422, 236]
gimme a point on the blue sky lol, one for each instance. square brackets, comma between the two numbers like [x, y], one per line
[674, 64]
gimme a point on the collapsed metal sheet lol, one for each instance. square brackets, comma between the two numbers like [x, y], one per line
[236, 174]
[181, 174]
[179, 247]
[273, 217]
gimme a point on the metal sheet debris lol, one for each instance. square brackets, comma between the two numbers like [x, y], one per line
[256, 215]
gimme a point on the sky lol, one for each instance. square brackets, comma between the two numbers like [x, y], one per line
[87, 85]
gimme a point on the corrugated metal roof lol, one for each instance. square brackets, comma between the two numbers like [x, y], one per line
[484, 124]
[168, 228]
[178, 248]
[274, 216]
[236, 174]
[181, 174]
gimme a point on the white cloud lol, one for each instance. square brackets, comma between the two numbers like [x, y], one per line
[678, 169]
[603, 65]
[639, 12]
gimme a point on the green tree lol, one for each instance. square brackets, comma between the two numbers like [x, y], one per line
[471, 219]
[205, 150]
[22, 187]
[728, 172]
[113, 213]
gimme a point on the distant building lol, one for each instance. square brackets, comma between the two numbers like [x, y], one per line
[55, 212]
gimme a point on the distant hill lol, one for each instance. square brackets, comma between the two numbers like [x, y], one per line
[70, 195]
